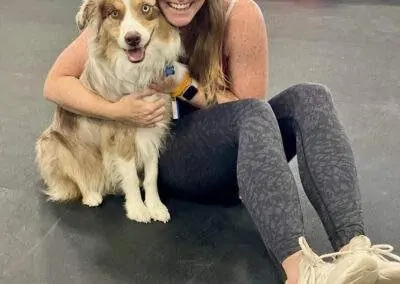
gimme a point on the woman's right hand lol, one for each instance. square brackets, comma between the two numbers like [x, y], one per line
[138, 112]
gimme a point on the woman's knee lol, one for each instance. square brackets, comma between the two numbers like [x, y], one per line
[254, 109]
[256, 117]
[312, 94]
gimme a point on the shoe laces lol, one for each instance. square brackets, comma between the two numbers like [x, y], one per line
[313, 273]
[384, 252]
[318, 259]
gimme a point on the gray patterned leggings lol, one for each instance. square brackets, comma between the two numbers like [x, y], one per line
[243, 148]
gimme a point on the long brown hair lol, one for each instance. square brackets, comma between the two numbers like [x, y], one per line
[204, 48]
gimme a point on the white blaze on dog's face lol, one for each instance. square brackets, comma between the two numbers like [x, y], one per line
[129, 26]
[137, 27]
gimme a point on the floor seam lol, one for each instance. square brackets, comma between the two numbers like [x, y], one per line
[30, 250]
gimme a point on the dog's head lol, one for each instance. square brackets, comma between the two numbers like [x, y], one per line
[129, 27]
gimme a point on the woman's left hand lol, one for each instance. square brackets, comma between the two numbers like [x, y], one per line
[165, 85]
[168, 84]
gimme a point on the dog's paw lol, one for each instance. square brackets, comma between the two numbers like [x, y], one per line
[158, 211]
[138, 212]
[92, 199]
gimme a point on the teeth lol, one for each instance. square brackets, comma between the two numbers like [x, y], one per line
[178, 6]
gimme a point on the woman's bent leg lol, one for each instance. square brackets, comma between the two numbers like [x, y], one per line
[237, 143]
[311, 127]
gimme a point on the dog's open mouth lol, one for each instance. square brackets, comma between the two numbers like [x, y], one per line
[135, 55]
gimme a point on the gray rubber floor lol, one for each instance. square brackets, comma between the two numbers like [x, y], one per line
[353, 47]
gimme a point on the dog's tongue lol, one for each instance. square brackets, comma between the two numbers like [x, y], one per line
[135, 55]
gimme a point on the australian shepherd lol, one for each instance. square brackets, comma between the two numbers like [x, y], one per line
[88, 158]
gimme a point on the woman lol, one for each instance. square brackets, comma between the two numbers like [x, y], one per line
[242, 142]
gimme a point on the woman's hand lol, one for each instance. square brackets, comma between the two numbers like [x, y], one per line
[169, 83]
[165, 85]
[138, 112]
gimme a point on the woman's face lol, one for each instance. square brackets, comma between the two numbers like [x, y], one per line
[180, 12]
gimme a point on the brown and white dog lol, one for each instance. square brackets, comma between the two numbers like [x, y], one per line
[87, 157]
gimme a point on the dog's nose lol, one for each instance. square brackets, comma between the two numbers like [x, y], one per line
[133, 38]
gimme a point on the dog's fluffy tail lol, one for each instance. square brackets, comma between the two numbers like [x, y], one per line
[65, 190]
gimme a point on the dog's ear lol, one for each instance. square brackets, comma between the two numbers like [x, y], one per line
[86, 13]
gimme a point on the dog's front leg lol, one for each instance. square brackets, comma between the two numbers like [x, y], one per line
[135, 208]
[157, 209]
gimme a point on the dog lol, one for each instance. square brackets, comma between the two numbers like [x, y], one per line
[88, 158]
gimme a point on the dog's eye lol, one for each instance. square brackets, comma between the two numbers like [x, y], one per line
[146, 8]
[114, 13]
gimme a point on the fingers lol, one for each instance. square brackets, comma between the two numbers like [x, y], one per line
[156, 120]
[159, 103]
[159, 112]
[155, 113]
[153, 123]
[149, 108]
[145, 113]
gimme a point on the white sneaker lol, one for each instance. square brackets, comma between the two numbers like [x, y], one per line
[388, 263]
[359, 268]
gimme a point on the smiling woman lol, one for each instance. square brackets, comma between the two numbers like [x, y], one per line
[180, 13]
[203, 26]
[229, 144]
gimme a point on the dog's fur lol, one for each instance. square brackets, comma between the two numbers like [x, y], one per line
[82, 157]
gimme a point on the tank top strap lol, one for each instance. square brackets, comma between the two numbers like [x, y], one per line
[230, 8]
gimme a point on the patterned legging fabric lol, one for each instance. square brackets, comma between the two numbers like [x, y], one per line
[241, 149]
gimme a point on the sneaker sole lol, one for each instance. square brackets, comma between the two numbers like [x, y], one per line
[362, 271]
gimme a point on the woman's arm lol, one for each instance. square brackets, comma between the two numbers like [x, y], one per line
[63, 87]
[247, 48]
